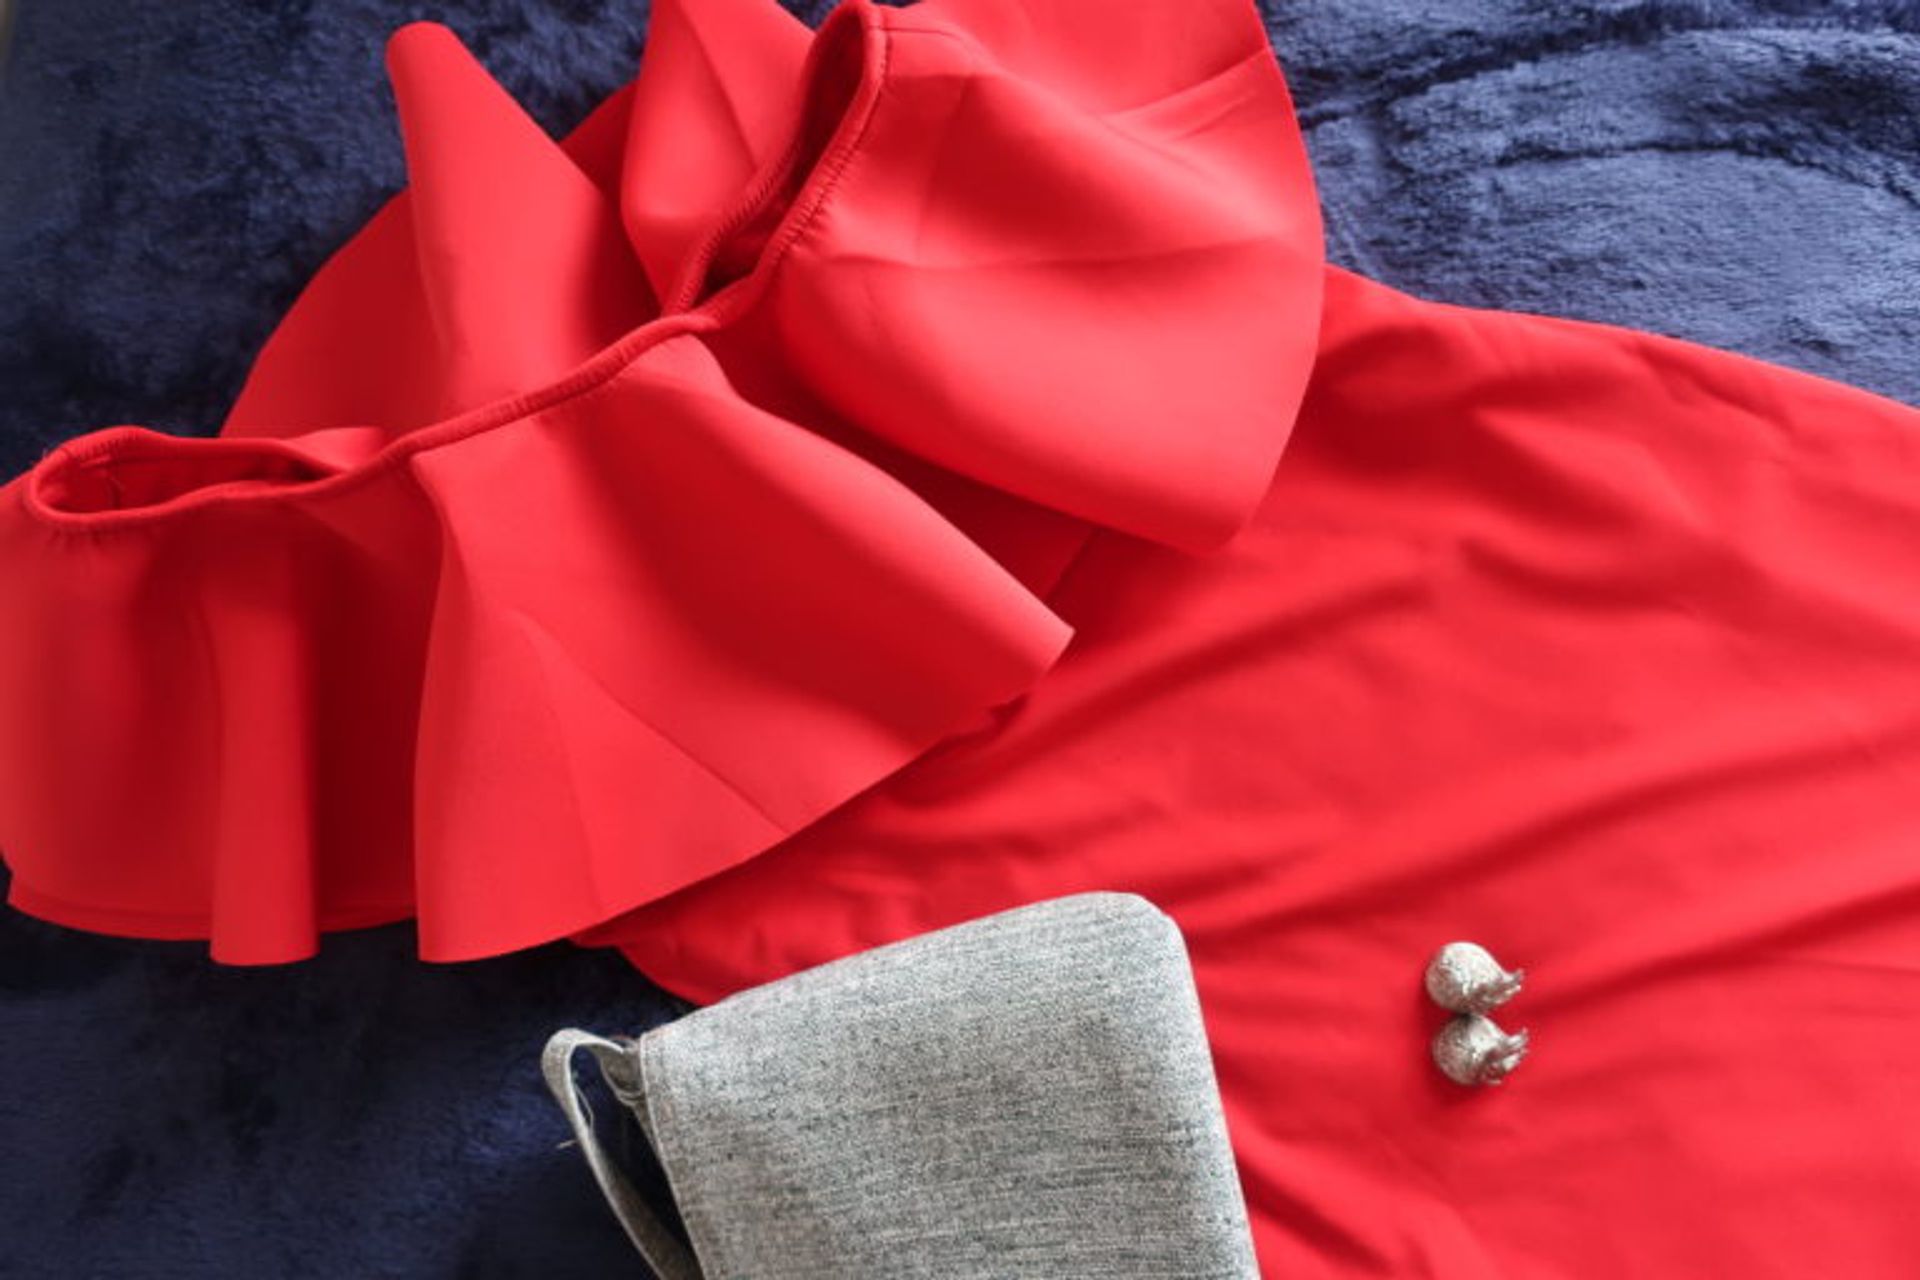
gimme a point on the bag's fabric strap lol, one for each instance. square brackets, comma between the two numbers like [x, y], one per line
[670, 1259]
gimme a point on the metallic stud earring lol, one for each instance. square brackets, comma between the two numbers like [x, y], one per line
[1465, 978]
[1472, 1050]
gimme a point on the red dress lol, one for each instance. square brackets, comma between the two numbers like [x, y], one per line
[840, 491]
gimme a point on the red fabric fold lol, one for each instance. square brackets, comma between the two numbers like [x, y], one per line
[510, 601]
[988, 215]
[522, 261]
[713, 105]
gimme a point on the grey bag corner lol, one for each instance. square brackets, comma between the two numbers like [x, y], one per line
[1029, 1094]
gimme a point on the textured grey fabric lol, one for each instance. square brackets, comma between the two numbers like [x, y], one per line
[663, 1250]
[1026, 1095]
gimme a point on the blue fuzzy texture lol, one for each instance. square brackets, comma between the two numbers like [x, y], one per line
[1744, 173]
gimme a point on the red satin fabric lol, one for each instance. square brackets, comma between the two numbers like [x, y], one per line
[834, 494]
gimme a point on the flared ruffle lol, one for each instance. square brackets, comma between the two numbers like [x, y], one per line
[608, 511]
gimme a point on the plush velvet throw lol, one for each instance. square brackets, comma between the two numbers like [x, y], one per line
[864, 480]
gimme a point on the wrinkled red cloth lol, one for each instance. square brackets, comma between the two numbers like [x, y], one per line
[839, 492]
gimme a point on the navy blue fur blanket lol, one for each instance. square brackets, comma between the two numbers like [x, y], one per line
[1745, 173]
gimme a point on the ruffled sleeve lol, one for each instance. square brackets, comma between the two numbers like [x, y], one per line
[578, 537]
[669, 630]
[514, 686]
[1076, 259]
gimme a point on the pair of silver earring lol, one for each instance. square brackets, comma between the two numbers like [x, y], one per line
[1472, 1049]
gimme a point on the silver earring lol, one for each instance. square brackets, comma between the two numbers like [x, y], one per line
[1465, 978]
[1472, 1050]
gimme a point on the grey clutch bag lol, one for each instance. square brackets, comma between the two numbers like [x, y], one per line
[1027, 1095]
